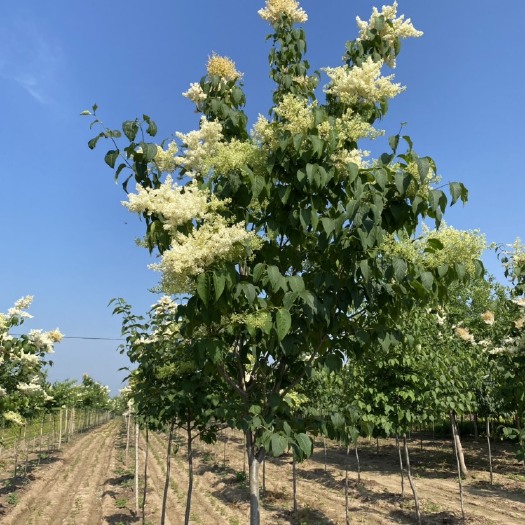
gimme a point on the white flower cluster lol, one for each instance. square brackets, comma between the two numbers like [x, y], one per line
[365, 83]
[32, 387]
[45, 340]
[14, 417]
[190, 255]
[195, 93]
[18, 310]
[391, 28]
[165, 159]
[274, 9]
[199, 146]
[178, 205]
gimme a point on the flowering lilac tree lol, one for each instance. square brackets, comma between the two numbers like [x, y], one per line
[22, 359]
[276, 240]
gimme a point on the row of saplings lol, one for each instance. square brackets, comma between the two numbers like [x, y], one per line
[349, 438]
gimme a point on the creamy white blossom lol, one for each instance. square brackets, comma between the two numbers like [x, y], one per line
[199, 146]
[195, 93]
[165, 159]
[178, 205]
[365, 83]
[389, 26]
[274, 9]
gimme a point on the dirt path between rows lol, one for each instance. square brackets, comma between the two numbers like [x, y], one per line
[89, 482]
[69, 491]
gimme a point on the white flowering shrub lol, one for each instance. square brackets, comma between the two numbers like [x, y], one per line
[22, 358]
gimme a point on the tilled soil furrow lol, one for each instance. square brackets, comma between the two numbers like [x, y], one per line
[68, 490]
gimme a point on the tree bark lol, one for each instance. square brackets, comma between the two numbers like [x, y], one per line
[190, 475]
[490, 451]
[255, 457]
[128, 423]
[401, 467]
[294, 483]
[347, 514]
[167, 479]
[459, 476]
[137, 468]
[358, 465]
[411, 481]
[145, 491]
[457, 444]
[476, 431]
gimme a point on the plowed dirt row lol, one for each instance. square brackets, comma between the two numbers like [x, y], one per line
[89, 483]
[70, 490]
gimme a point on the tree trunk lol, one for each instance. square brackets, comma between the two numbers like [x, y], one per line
[358, 465]
[476, 431]
[128, 423]
[145, 491]
[401, 467]
[294, 484]
[167, 479]
[490, 451]
[457, 444]
[459, 480]
[137, 468]
[411, 481]
[254, 458]
[60, 429]
[190, 475]
[324, 445]
[347, 514]
[264, 476]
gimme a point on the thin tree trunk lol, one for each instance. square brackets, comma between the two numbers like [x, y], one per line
[460, 482]
[137, 468]
[190, 475]
[358, 464]
[476, 431]
[60, 429]
[457, 444]
[128, 423]
[411, 481]
[264, 475]
[244, 454]
[145, 491]
[324, 446]
[377, 446]
[224, 451]
[490, 451]
[167, 479]
[294, 484]
[254, 457]
[401, 467]
[347, 514]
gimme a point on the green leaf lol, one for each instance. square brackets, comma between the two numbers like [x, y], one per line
[86, 112]
[296, 283]
[423, 167]
[130, 129]
[149, 151]
[111, 157]
[305, 444]
[400, 268]
[219, 282]
[458, 191]
[278, 444]
[203, 288]
[283, 322]
[427, 280]
[258, 271]
[275, 277]
[381, 178]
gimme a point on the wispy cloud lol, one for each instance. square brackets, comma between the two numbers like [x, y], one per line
[31, 59]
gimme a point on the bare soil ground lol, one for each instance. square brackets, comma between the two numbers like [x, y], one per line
[88, 482]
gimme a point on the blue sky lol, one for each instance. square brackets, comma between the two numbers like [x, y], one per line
[69, 242]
